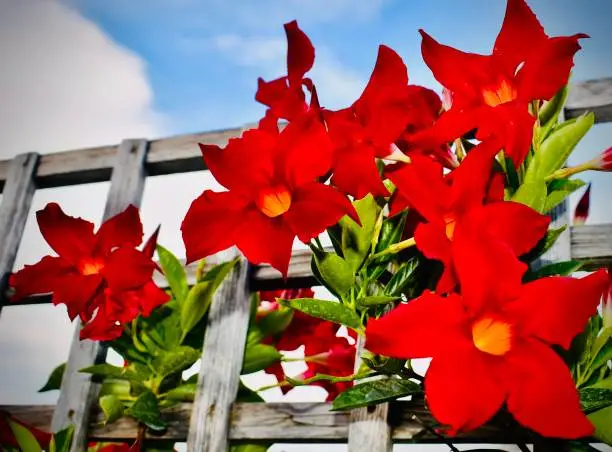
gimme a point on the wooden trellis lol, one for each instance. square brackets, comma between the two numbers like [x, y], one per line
[214, 420]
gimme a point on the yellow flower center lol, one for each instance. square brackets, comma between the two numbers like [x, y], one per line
[91, 267]
[274, 201]
[451, 222]
[491, 335]
[501, 94]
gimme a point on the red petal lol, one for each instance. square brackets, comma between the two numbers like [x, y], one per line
[78, 293]
[210, 223]
[140, 301]
[471, 179]
[422, 184]
[284, 101]
[548, 67]
[389, 71]
[556, 308]
[445, 61]
[422, 328]
[304, 151]
[463, 387]
[356, 173]
[127, 268]
[517, 225]
[582, 208]
[124, 229]
[315, 207]
[300, 52]
[42, 277]
[149, 247]
[432, 241]
[265, 240]
[484, 284]
[542, 395]
[70, 237]
[101, 328]
[452, 124]
[520, 33]
[246, 163]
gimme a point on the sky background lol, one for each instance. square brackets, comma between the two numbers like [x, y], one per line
[80, 73]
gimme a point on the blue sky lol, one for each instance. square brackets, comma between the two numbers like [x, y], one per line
[203, 57]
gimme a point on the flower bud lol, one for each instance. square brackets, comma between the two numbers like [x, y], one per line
[603, 162]
[581, 212]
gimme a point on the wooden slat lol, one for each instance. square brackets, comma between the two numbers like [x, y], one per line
[592, 243]
[275, 422]
[224, 343]
[178, 154]
[592, 95]
[78, 391]
[369, 428]
[14, 212]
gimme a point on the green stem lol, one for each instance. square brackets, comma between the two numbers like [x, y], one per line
[570, 171]
[394, 249]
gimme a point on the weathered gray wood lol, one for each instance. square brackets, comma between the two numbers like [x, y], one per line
[561, 250]
[78, 391]
[592, 243]
[369, 428]
[592, 95]
[224, 344]
[178, 154]
[14, 210]
[274, 422]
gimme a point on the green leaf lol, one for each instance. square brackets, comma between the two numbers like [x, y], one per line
[549, 113]
[532, 194]
[402, 278]
[376, 300]
[183, 393]
[593, 399]
[24, 437]
[62, 440]
[511, 174]
[133, 371]
[606, 383]
[326, 310]
[336, 273]
[601, 351]
[146, 410]
[249, 448]
[602, 420]
[254, 336]
[559, 189]
[259, 356]
[545, 244]
[557, 147]
[115, 386]
[373, 392]
[219, 272]
[55, 379]
[275, 322]
[196, 305]
[563, 268]
[177, 360]
[357, 240]
[174, 272]
[111, 407]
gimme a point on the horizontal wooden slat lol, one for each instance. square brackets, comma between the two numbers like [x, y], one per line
[274, 422]
[591, 243]
[592, 95]
[177, 154]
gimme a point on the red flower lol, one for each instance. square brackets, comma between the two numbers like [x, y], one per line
[490, 345]
[7, 437]
[492, 92]
[285, 95]
[94, 273]
[273, 194]
[603, 162]
[467, 199]
[581, 213]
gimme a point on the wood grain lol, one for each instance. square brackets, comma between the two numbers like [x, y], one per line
[14, 211]
[78, 392]
[224, 343]
[591, 95]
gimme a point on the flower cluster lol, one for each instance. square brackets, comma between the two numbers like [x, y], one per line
[101, 277]
[325, 352]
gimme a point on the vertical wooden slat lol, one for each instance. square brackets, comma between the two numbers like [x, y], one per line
[224, 343]
[369, 429]
[78, 391]
[18, 193]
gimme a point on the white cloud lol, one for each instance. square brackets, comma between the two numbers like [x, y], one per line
[65, 84]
